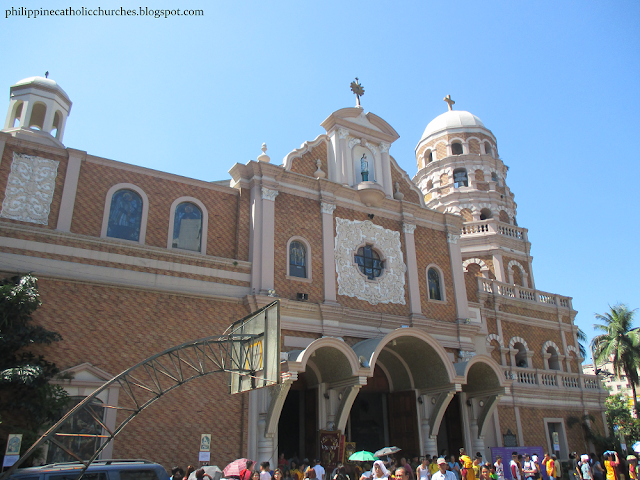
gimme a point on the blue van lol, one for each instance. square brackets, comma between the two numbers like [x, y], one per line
[98, 470]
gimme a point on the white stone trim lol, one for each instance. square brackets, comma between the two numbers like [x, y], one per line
[269, 194]
[493, 336]
[443, 290]
[205, 223]
[571, 348]
[409, 228]
[308, 258]
[327, 208]
[483, 266]
[551, 343]
[524, 274]
[389, 287]
[521, 340]
[107, 211]
[287, 162]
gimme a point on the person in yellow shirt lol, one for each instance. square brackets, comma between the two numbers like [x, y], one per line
[433, 466]
[468, 472]
[633, 467]
[611, 461]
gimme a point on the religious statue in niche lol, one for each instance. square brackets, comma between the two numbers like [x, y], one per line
[364, 167]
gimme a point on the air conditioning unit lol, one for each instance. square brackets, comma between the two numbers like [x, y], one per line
[302, 297]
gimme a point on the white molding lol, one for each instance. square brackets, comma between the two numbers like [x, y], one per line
[74, 252]
[107, 210]
[269, 194]
[521, 340]
[287, 161]
[308, 259]
[205, 223]
[493, 336]
[477, 261]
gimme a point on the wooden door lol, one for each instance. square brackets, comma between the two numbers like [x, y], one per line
[403, 422]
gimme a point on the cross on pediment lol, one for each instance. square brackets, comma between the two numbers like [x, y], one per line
[449, 102]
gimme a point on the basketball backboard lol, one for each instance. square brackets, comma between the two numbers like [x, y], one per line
[256, 357]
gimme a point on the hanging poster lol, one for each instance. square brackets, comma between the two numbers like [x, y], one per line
[349, 449]
[330, 449]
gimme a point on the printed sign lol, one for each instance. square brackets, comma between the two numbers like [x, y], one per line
[506, 452]
[205, 442]
[13, 444]
[204, 457]
[556, 441]
[330, 448]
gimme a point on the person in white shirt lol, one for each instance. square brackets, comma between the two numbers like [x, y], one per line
[529, 468]
[265, 473]
[515, 468]
[499, 467]
[443, 473]
[319, 470]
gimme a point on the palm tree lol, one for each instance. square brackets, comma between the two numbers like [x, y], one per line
[619, 343]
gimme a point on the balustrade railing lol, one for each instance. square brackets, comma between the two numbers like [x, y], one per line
[494, 227]
[486, 285]
[551, 379]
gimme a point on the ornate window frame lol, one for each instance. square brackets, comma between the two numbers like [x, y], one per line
[383, 259]
[107, 211]
[443, 292]
[205, 224]
[390, 286]
[308, 259]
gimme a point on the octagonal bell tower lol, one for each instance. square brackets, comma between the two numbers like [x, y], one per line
[38, 111]
[460, 171]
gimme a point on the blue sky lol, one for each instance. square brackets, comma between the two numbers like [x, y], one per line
[556, 82]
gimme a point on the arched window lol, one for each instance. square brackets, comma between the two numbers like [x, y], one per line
[368, 260]
[17, 115]
[435, 289]
[187, 227]
[521, 356]
[494, 178]
[125, 215]
[460, 177]
[429, 185]
[456, 148]
[485, 214]
[297, 260]
[554, 362]
[83, 422]
[428, 157]
[38, 115]
[487, 148]
[57, 119]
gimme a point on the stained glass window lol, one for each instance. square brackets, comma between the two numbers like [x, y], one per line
[125, 215]
[187, 227]
[297, 260]
[434, 284]
[369, 262]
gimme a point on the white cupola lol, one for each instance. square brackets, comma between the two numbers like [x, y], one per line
[38, 111]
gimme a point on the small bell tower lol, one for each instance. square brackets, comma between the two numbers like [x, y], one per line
[38, 111]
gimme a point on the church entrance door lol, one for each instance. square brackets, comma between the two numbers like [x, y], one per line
[450, 436]
[298, 423]
[403, 422]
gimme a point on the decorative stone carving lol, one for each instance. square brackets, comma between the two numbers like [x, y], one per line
[384, 147]
[408, 228]
[466, 354]
[353, 142]
[389, 287]
[371, 147]
[343, 133]
[451, 238]
[398, 195]
[30, 188]
[319, 173]
[328, 208]
[268, 194]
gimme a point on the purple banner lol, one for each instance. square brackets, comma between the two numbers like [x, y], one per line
[506, 452]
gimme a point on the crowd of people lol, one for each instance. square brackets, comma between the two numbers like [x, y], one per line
[442, 467]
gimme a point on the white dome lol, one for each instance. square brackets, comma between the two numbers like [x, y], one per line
[452, 119]
[42, 82]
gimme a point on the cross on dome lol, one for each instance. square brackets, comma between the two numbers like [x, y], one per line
[449, 102]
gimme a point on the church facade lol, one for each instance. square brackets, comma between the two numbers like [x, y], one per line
[409, 311]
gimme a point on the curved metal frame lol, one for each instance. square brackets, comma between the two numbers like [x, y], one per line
[233, 352]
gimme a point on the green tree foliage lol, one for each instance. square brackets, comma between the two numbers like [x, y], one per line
[618, 414]
[619, 343]
[28, 402]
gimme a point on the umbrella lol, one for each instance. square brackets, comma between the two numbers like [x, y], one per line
[387, 451]
[235, 467]
[363, 456]
[212, 470]
[636, 446]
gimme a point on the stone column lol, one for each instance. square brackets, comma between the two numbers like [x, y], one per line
[255, 236]
[412, 268]
[341, 161]
[328, 253]
[459, 287]
[387, 181]
[268, 241]
[498, 268]
[69, 190]
[3, 142]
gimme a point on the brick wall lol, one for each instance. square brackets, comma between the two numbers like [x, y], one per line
[114, 328]
[306, 165]
[410, 195]
[535, 338]
[432, 248]
[298, 216]
[95, 181]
